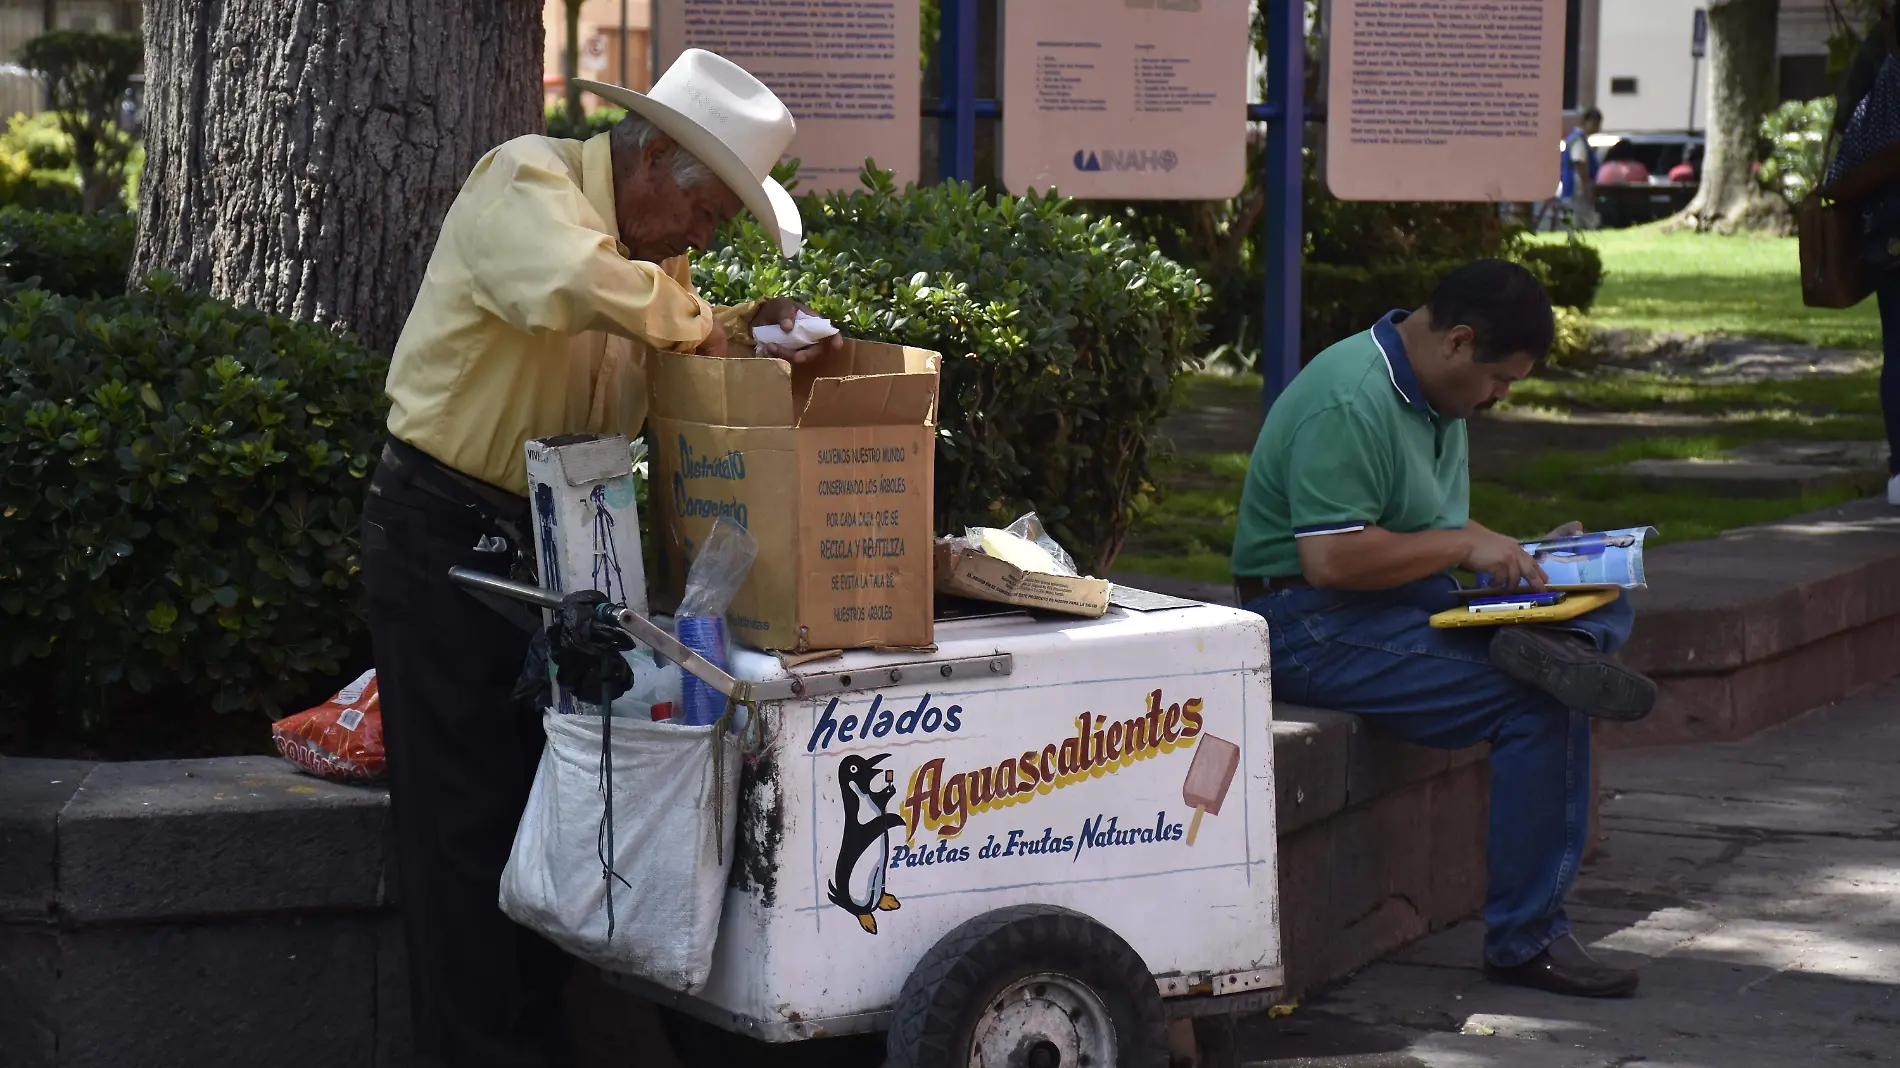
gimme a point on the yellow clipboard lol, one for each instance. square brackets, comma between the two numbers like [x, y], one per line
[1572, 606]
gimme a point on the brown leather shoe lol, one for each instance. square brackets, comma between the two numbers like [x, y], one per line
[1568, 666]
[1565, 967]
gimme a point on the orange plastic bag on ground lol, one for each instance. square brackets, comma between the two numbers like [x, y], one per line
[341, 738]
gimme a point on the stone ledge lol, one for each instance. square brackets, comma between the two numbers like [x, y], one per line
[1325, 762]
[1760, 592]
[1381, 874]
[32, 793]
[156, 840]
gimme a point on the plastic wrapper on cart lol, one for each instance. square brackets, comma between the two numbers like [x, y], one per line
[640, 892]
[1018, 565]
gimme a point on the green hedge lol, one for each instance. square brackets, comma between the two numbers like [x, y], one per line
[1361, 258]
[77, 255]
[1061, 336]
[1571, 272]
[595, 122]
[179, 490]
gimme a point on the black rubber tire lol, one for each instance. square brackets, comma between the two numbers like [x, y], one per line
[698, 1044]
[947, 992]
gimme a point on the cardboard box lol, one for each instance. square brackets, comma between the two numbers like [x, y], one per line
[970, 573]
[829, 464]
[587, 529]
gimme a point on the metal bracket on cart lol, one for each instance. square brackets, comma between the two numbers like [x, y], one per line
[817, 684]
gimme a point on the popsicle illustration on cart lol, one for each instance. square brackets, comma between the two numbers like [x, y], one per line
[865, 853]
[1209, 778]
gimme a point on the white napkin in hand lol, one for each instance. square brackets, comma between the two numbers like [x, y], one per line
[807, 330]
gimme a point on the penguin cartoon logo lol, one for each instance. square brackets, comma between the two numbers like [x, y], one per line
[865, 853]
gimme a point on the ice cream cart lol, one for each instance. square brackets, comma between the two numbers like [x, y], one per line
[1032, 846]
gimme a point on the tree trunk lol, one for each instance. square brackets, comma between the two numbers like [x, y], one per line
[300, 156]
[1742, 88]
[571, 63]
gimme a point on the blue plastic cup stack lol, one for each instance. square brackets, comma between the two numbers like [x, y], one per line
[705, 635]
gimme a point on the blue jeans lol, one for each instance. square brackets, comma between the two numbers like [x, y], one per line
[1374, 654]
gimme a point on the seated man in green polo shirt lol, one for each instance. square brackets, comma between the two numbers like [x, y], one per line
[1355, 514]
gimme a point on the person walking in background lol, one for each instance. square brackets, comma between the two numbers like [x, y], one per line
[1577, 172]
[1866, 169]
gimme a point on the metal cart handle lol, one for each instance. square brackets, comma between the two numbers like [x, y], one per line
[815, 685]
[642, 629]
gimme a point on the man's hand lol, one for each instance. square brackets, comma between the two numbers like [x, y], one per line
[1502, 558]
[1568, 530]
[715, 343]
[784, 312]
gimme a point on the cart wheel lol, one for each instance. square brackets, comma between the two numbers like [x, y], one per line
[1031, 986]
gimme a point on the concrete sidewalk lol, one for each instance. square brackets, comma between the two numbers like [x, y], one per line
[1756, 884]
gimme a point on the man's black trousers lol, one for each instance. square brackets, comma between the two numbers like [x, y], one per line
[484, 991]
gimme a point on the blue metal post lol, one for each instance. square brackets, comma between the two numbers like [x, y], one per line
[956, 66]
[1281, 242]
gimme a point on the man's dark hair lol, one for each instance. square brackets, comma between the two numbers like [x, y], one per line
[1592, 113]
[1503, 304]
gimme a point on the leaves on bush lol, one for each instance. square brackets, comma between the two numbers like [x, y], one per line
[1061, 336]
[72, 254]
[179, 491]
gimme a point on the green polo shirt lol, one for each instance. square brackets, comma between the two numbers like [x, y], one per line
[1350, 444]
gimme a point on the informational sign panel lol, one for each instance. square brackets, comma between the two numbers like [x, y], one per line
[847, 69]
[1126, 99]
[1444, 99]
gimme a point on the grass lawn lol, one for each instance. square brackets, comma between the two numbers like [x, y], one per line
[1189, 531]
[1841, 407]
[1705, 284]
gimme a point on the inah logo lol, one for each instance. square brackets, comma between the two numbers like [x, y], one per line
[1133, 159]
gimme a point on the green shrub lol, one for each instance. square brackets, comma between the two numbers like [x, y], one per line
[1571, 272]
[1061, 337]
[179, 489]
[37, 169]
[42, 142]
[1338, 301]
[597, 122]
[86, 76]
[36, 164]
[72, 254]
[1796, 133]
[1346, 243]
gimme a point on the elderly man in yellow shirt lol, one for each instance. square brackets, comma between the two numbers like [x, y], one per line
[560, 265]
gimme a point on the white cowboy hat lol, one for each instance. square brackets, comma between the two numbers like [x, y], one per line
[730, 122]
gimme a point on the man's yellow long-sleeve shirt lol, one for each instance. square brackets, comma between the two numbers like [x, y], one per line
[531, 320]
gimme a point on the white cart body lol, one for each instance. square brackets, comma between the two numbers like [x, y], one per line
[1107, 837]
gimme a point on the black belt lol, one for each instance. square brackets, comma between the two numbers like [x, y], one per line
[1253, 587]
[412, 466]
[507, 513]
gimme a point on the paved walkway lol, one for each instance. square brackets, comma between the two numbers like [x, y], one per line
[1757, 886]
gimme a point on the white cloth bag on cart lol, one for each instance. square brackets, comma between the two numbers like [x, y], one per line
[669, 868]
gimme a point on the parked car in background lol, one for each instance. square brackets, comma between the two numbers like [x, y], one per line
[1638, 178]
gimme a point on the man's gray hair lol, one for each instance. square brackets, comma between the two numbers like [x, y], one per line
[631, 136]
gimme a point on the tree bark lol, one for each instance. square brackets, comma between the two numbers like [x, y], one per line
[571, 63]
[1742, 88]
[300, 154]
